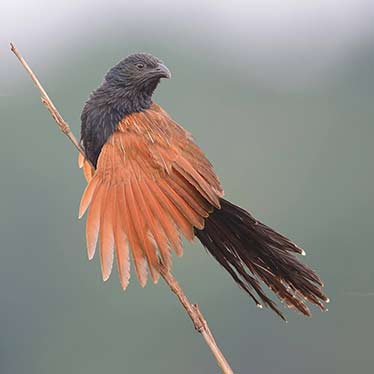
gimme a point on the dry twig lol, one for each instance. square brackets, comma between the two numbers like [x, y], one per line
[192, 310]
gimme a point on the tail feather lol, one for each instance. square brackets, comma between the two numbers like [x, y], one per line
[252, 252]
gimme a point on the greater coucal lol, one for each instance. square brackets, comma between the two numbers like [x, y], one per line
[151, 183]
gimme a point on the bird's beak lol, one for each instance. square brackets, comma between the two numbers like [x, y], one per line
[162, 71]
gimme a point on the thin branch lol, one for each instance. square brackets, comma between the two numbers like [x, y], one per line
[192, 310]
[64, 127]
[200, 323]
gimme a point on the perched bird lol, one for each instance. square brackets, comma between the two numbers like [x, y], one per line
[149, 182]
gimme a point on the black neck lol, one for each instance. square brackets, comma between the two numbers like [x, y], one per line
[104, 109]
[126, 100]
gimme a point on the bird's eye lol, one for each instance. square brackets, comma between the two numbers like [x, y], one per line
[140, 66]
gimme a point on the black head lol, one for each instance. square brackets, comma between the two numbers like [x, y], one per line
[139, 73]
[127, 88]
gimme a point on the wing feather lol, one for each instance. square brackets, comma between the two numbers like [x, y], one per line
[141, 231]
[152, 184]
[154, 227]
[88, 171]
[179, 219]
[87, 196]
[193, 218]
[93, 221]
[106, 233]
[136, 249]
[163, 218]
[187, 193]
[121, 239]
[187, 170]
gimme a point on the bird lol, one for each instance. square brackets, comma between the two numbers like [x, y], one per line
[149, 184]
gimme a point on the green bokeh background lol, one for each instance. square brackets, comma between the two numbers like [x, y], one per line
[290, 138]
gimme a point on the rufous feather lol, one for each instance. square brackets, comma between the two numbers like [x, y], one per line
[122, 250]
[141, 232]
[93, 221]
[163, 218]
[106, 233]
[136, 249]
[87, 196]
[154, 227]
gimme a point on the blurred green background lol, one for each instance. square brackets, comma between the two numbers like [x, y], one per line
[279, 94]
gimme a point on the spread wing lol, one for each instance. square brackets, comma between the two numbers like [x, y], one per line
[152, 183]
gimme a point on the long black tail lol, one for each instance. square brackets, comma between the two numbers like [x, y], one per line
[252, 252]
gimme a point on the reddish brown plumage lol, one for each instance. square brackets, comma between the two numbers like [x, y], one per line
[148, 171]
[152, 183]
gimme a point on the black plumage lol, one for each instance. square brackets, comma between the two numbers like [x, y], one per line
[127, 88]
[253, 252]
